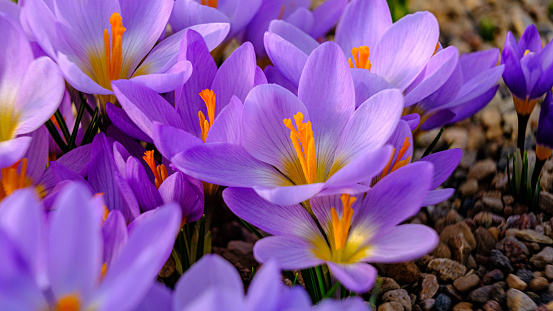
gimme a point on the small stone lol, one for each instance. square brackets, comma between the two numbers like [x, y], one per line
[390, 306]
[515, 282]
[497, 292]
[515, 250]
[494, 231]
[469, 187]
[493, 204]
[538, 284]
[466, 283]
[493, 276]
[545, 202]
[484, 219]
[441, 251]
[549, 271]
[452, 230]
[387, 284]
[500, 261]
[481, 295]
[429, 286]
[519, 301]
[486, 242]
[398, 295]
[447, 269]
[457, 136]
[403, 273]
[427, 304]
[471, 263]
[492, 305]
[460, 248]
[482, 169]
[463, 306]
[543, 258]
[533, 236]
[546, 298]
[240, 252]
[525, 275]
[443, 302]
[491, 117]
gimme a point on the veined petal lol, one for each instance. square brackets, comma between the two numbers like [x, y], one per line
[13, 150]
[187, 13]
[402, 243]
[78, 79]
[226, 127]
[434, 197]
[294, 35]
[171, 140]
[287, 57]
[358, 277]
[146, 194]
[367, 84]
[41, 22]
[287, 195]
[240, 13]
[177, 188]
[37, 154]
[168, 81]
[121, 120]
[289, 251]
[360, 169]
[445, 163]
[325, 17]
[114, 232]
[302, 18]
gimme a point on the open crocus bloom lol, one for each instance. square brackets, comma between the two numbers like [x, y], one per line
[356, 230]
[100, 41]
[58, 263]
[30, 91]
[293, 148]
[528, 69]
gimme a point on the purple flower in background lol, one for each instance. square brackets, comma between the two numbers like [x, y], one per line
[544, 137]
[30, 91]
[358, 229]
[58, 263]
[96, 42]
[528, 69]
[329, 147]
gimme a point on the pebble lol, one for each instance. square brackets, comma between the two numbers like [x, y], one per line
[469, 188]
[545, 202]
[429, 286]
[388, 284]
[500, 261]
[515, 250]
[457, 136]
[390, 306]
[427, 304]
[463, 306]
[460, 248]
[549, 271]
[538, 284]
[403, 273]
[486, 242]
[515, 282]
[493, 276]
[491, 117]
[447, 269]
[441, 251]
[452, 230]
[498, 293]
[546, 297]
[466, 283]
[492, 305]
[543, 258]
[481, 295]
[533, 236]
[240, 252]
[519, 301]
[525, 275]
[443, 302]
[493, 204]
[482, 169]
[398, 295]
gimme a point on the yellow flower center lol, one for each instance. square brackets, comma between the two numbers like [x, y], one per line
[68, 303]
[304, 144]
[11, 180]
[160, 171]
[526, 52]
[211, 3]
[114, 52]
[361, 58]
[209, 99]
[340, 227]
[8, 121]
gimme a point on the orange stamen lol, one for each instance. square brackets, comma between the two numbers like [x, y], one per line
[360, 57]
[160, 171]
[209, 99]
[211, 3]
[281, 13]
[341, 226]
[304, 144]
[437, 47]
[114, 52]
[68, 303]
[398, 162]
[11, 180]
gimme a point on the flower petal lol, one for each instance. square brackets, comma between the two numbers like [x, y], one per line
[226, 127]
[187, 13]
[287, 57]
[146, 194]
[325, 17]
[445, 163]
[402, 243]
[170, 140]
[167, 81]
[290, 252]
[434, 197]
[78, 79]
[189, 196]
[13, 150]
[358, 277]
[289, 194]
[114, 232]
[294, 35]
[367, 84]
[121, 120]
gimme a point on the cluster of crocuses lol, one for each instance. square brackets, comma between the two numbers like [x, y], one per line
[119, 120]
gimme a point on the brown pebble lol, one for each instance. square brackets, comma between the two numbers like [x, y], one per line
[447, 269]
[441, 251]
[482, 169]
[390, 306]
[387, 284]
[515, 282]
[429, 286]
[494, 231]
[549, 271]
[460, 248]
[463, 306]
[403, 273]
[492, 306]
[469, 188]
[538, 284]
[466, 283]
[452, 230]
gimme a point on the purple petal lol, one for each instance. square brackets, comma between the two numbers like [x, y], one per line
[301, 18]
[37, 154]
[13, 150]
[474, 63]
[325, 17]
[412, 120]
[226, 127]
[445, 163]
[122, 121]
[241, 13]
[146, 194]
[16, 55]
[266, 287]
[187, 13]
[358, 277]
[40, 21]
[360, 169]
[530, 39]
[114, 232]
[290, 252]
[469, 108]
[348, 304]
[363, 23]
[227, 165]
[402, 243]
[513, 75]
[275, 76]
[434, 197]
[289, 194]
[171, 140]
[411, 40]
[288, 58]
[213, 33]
[438, 119]
[294, 35]
[158, 297]
[167, 81]
[268, 11]
[78, 79]
[397, 140]
[189, 196]
[367, 84]
[260, 77]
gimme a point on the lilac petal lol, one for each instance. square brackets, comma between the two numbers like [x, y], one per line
[294, 297]
[412, 120]
[210, 272]
[370, 126]
[301, 18]
[367, 84]
[40, 20]
[145, 106]
[241, 13]
[158, 297]
[513, 75]
[294, 35]
[170, 140]
[348, 304]
[114, 232]
[75, 243]
[397, 140]
[530, 39]
[168, 81]
[438, 119]
[537, 70]
[290, 220]
[213, 33]
[37, 154]
[275, 76]
[445, 163]
[290, 252]
[227, 165]
[545, 123]
[15, 57]
[474, 63]
[60, 173]
[289, 194]
[78, 79]
[328, 95]
[402, 243]
[434, 197]
[145, 21]
[178, 189]
[360, 169]
[477, 86]
[122, 121]
[39, 96]
[227, 125]
[133, 271]
[234, 77]
[132, 146]
[13, 150]
[268, 11]
[445, 94]
[288, 58]
[259, 77]
[321, 206]
[395, 198]
[77, 159]
[9, 8]
[216, 298]
[469, 108]
[358, 277]
[146, 194]
[187, 13]
[325, 16]
[265, 108]
[435, 74]
[411, 40]
[363, 23]
[266, 287]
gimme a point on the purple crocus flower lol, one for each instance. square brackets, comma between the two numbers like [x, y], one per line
[358, 229]
[528, 69]
[544, 137]
[331, 148]
[57, 263]
[96, 42]
[30, 91]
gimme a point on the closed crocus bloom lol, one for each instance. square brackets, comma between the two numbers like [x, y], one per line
[30, 91]
[544, 137]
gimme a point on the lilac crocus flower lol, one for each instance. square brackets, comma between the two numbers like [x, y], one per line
[528, 69]
[358, 229]
[30, 91]
[96, 42]
[57, 263]
[332, 147]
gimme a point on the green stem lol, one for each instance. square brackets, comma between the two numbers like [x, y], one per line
[71, 143]
[63, 126]
[55, 135]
